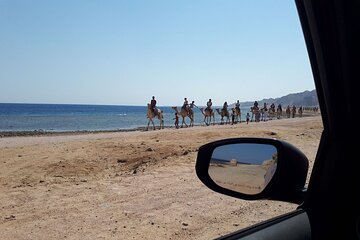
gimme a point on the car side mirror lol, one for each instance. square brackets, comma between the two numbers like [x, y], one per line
[253, 168]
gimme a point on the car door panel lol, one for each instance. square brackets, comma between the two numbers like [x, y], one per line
[291, 226]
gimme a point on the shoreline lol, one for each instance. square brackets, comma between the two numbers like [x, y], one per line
[40, 132]
[5, 134]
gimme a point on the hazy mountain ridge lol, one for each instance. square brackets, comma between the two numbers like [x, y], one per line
[305, 99]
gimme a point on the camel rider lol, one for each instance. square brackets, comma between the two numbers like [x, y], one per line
[153, 105]
[279, 107]
[237, 105]
[209, 106]
[272, 106]
[225, 107]
[185, 105]
[256, 104]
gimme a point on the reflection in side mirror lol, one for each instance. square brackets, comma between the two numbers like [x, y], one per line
[243, 167]
[253, 169]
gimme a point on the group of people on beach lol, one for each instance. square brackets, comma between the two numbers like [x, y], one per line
[254, 110]
[265, 113]
[188, 107]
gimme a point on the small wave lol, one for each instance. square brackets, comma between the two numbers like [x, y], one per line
[121, 114]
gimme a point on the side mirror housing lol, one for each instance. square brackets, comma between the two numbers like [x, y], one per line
[253, 168]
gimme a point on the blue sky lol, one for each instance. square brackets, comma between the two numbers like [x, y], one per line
[246, 153]
[124, 52]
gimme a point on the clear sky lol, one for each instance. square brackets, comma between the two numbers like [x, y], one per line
[246, 153]
[123, 52]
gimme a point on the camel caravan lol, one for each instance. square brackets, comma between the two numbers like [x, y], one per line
[264, 114]
[258, 114]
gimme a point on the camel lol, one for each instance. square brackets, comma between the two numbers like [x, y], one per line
[278, 113]
[293, 111]
[264, 114]
[224, 113]
[300, 111]
[208, 115]
[288, 111]
[183, 113]
[237, 114]
[252, 110]
[150, 115]
[272, 112]
[255, 111]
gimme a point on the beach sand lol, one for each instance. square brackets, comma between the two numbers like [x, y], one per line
[130, 185]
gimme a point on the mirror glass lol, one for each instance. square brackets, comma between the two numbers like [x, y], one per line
[243, 167]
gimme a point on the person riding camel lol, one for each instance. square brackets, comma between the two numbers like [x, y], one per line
[256, 106]
[185, 105]
[225, 107]
[153, 105]
[265, 107]
[288, 111]
[237, 105]
[272, 106]
[209, 106]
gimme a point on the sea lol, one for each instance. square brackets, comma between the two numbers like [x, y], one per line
[74, 117]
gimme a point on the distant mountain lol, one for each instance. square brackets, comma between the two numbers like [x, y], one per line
[305, 99]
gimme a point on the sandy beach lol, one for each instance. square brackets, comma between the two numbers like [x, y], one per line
[130, 185]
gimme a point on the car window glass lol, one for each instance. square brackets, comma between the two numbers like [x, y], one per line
[78, 154]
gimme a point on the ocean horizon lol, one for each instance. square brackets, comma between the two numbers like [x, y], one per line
[16, 117]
